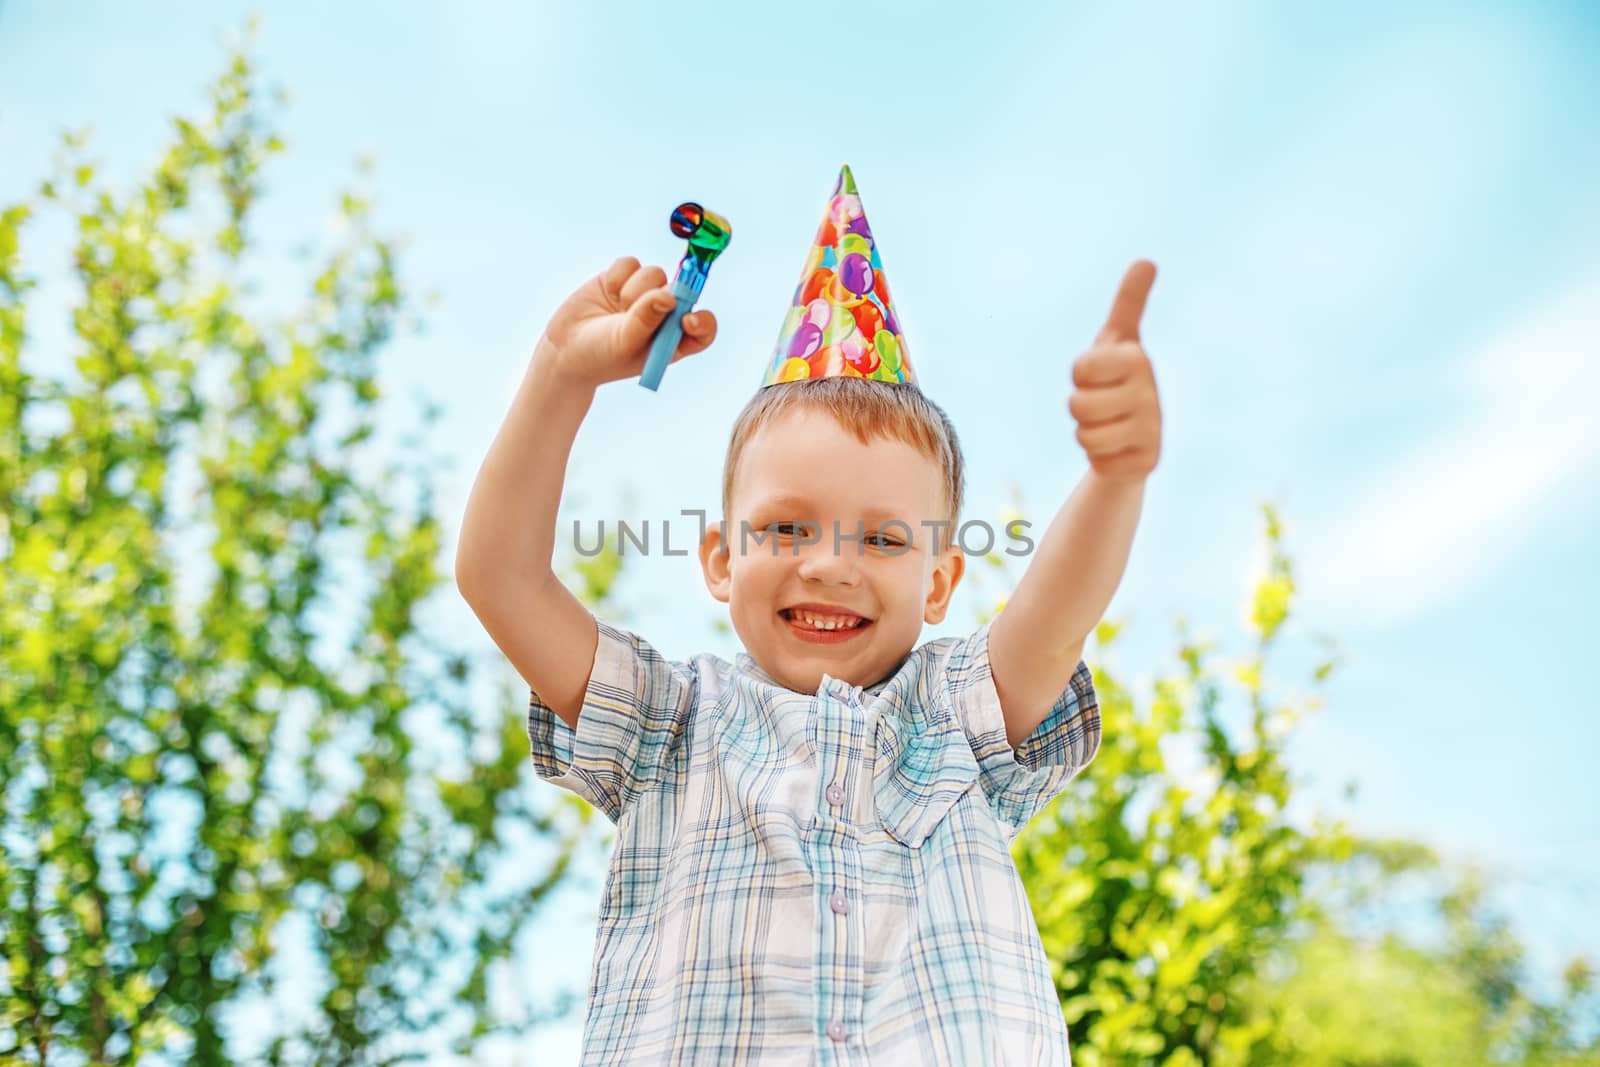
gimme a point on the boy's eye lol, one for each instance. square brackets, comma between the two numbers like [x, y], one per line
[883, 540]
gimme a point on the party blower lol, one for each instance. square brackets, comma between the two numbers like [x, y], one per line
[708, 234]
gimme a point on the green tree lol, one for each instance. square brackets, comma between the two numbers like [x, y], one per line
[1355, 992]
[1190, 920]
[191, 752]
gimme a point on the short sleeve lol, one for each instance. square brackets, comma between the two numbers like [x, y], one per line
[1020, 783]
[635, 711]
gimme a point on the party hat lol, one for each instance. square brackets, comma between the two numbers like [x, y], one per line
[841, 322]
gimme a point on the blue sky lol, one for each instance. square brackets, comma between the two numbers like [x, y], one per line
[1378, 236]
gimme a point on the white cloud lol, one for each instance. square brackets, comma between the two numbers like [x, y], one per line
[1467, 499]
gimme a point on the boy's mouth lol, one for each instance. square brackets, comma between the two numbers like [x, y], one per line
[820, 624]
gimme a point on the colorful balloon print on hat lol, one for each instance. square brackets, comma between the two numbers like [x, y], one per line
[841, 322]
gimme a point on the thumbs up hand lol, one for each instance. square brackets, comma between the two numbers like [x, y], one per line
[1114, 398]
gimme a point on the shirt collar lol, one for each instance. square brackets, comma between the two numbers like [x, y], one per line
[747, 663]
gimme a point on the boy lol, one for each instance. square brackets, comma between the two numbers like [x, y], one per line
[812, 860]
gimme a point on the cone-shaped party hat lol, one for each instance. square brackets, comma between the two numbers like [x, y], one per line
[841, 322]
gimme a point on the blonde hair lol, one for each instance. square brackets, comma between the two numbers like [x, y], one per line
[896, 411]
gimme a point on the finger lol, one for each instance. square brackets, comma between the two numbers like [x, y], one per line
[699, 330]
[1128, 308]
[1104, 441]
[1096, 407]
[639, 324]
[644, 279]
[614, 276]
[1108, 363]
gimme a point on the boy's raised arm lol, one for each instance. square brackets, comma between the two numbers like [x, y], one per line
[1035, 644]
[503, 560]
[504, 554]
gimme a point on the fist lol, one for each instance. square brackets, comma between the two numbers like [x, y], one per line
[602, 332]
[1114, 397]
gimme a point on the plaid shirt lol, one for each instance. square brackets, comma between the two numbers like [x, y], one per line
[814, 878]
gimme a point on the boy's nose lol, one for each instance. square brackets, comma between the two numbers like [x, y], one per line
[827, 561]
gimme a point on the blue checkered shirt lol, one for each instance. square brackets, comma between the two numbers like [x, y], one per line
[814, 878]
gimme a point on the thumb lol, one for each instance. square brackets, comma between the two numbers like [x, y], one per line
[1128, 308]
[640, 321]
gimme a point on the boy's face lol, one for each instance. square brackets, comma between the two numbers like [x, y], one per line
[785, 589]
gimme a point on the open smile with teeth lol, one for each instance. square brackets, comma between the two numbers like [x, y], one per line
[816, 620]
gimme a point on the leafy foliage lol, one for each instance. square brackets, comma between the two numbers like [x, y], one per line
[198, 769]
[1191, 920]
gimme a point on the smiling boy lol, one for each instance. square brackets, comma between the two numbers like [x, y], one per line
[812, 861]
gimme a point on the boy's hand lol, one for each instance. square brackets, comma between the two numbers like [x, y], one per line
[1115, 401]
[602, 332]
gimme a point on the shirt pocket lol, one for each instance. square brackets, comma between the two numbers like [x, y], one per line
[920, 770]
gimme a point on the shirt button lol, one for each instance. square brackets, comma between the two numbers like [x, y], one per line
[835, 795]
[836, 1030]
[839, 904]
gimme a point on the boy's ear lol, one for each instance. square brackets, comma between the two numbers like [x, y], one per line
[946, 576]
[714, 563]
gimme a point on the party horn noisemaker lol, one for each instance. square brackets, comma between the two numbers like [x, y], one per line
[708, 234]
